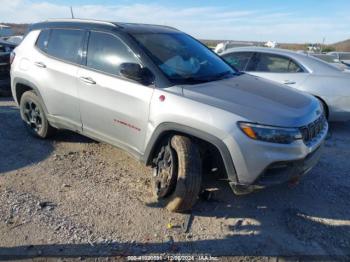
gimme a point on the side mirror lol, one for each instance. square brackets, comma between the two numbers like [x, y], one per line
[135, 72]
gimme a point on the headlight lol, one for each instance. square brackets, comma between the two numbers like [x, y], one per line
[271, 134]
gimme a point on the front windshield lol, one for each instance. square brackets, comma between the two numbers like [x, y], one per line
[344, 56]
[327, 58]
[182, 59]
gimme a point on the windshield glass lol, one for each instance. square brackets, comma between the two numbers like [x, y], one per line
[327, 58]
[344, 56]
[182, 59]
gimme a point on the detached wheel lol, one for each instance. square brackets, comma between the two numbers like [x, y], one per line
[34, 117]
[177, 174]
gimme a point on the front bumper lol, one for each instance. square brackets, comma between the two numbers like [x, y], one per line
[281, 172]
[259, 164]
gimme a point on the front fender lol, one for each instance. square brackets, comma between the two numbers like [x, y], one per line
[168, 127]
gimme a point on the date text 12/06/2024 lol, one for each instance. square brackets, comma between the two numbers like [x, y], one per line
[204, 257]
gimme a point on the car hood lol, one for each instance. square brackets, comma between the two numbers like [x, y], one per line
[257, 100]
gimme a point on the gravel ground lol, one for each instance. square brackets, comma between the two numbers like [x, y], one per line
[73, 197]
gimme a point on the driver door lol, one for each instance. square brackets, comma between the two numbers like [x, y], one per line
[113, 109]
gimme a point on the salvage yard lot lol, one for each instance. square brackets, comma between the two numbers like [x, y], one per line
[73, 196]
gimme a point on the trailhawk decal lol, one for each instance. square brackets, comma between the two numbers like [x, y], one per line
[117, 121]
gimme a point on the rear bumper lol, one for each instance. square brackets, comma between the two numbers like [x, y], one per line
[5, 82]
[5, 86]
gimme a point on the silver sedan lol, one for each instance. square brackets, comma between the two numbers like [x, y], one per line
[324, 81]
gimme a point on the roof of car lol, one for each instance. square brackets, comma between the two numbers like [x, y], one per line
[98, 24]
[262, 49]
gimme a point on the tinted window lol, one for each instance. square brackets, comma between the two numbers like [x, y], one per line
[238, 60]
[66, 44]
[106, 52]
[274, 64]
[344, 56]
[182, 59]
[43, 40]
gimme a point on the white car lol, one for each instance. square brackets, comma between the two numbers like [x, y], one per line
[16, 39]
[333, 61]
[341, 56]
[306, 73]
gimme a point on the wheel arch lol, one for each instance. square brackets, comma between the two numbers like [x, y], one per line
[21, 86]
[325, 105]
[167, 129]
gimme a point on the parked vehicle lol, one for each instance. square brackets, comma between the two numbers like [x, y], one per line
[332, 60]
[5, 31]
[15, 39]
[5, 51]
[303, 72]
[223, 46]
[341, 56]
[167, 100]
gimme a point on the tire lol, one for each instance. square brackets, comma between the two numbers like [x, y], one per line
[188, 176]
[34, 117]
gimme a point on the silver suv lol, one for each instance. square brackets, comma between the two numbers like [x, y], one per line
[169, 101]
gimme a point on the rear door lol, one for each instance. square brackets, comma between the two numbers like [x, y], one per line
[279, 68]
[56, 64]
[113, 109]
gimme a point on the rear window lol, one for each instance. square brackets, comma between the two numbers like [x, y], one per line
[43, 40]
[66, 44]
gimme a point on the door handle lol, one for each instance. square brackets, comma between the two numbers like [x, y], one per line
[288, 82]
[88, 80]
[40, 64]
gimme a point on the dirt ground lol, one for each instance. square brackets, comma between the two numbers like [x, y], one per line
[73, 197]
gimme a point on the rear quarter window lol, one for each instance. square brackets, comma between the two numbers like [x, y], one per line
[43, 40]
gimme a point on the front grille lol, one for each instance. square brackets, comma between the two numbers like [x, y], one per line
[312, 130]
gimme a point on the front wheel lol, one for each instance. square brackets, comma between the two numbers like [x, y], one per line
[177, 174]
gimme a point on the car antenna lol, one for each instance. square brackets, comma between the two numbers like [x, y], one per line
[71, 12]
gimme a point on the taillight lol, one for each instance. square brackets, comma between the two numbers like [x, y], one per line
[12, 57]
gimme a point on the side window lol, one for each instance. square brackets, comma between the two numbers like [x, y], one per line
[275, 64]
[107, 52]
[238, 60]
[66, 44]
[43, 40]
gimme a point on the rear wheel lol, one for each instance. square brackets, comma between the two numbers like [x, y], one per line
[34, 116]
[177, 174]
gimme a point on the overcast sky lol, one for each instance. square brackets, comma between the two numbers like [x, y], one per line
[282, 21]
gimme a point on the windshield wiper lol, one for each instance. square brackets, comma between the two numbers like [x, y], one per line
[188, 80]
[198, 80]
[220, 76]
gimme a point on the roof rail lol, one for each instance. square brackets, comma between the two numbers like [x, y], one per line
[82, 21]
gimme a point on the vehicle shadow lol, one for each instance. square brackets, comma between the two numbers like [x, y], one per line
[17, 147]
[210, 247]
[310, 217]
